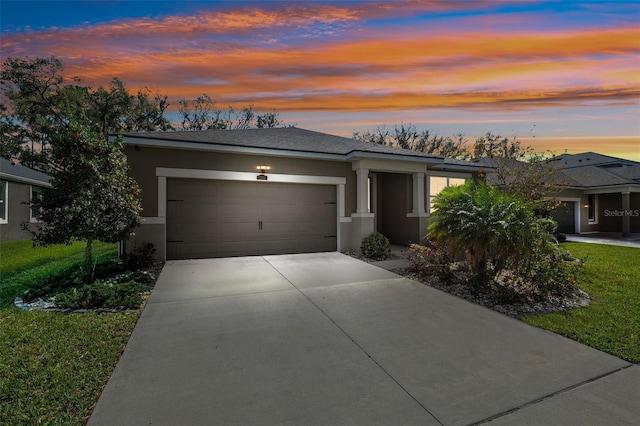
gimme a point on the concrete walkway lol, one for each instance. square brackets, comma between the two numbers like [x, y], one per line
[324, 339]
[607, 239]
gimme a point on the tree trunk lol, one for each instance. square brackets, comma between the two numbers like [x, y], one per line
[88, 261]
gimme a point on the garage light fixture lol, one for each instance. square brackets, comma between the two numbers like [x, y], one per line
[263, 169]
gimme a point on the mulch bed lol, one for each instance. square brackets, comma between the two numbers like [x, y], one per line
[529, 306]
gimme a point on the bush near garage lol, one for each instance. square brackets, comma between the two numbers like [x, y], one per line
[375, 247]
[110, 295]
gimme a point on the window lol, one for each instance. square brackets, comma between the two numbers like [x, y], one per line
[36, 194]
[591, 204]
[3, 201]
[438, 183]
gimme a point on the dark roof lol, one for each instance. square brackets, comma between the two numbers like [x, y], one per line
[566, 161]
[16, 172]
[281, 138]
[593, 170]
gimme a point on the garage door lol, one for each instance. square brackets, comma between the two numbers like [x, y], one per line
[564, 214]
[208, 218]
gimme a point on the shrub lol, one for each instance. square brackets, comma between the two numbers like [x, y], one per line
[376, 247]
[493, 230]
[554, 273]
[71, 277]
[500, 234]
[102, 295]
[141, 257]
[141, 277]
[431, 261]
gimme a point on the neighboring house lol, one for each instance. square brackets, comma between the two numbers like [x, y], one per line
[18, 186]
[218, 193]
[602, 194]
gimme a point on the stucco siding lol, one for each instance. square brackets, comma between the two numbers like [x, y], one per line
[144, 161]
[17, 212]
[148, 233]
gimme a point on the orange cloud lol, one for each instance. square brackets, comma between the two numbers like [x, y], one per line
[622, 146]
[185, 56]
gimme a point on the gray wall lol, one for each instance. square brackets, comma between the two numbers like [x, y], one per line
[18, 212]
[143, 162]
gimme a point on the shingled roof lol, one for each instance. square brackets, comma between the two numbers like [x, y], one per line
[593, 170]
[18, 173]
[567, 161]
[281, 139]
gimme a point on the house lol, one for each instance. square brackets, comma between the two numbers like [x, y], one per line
[219, 193]
[601, 194]
[18, 186]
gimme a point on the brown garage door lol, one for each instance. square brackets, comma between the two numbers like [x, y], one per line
[564, 214]
[208, 218]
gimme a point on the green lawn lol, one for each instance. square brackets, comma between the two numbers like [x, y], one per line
[22, 265]
[53, 365]
[611, 322]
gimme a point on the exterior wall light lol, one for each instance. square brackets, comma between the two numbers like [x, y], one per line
[262, 170]
[586, 206]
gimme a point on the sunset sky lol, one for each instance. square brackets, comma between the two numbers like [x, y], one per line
[559, 75]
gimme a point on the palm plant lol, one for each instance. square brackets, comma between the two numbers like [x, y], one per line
[492, 229]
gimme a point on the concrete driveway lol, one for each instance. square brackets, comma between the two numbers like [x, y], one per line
[324, 339]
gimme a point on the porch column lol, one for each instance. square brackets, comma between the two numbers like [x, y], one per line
[362, 221]
[418, 194]
[418, 212]
[362, 190]
[626, 218]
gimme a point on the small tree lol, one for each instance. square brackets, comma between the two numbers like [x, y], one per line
[492, 229]
[92, 196]
[516, 169]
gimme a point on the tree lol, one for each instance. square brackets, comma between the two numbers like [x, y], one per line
[92, 196]
[30, 85]
[201, 114]
[114, 109]
[514, 168]
[42, 100]
[67, 125]
[11, 138]
[518, 170]
[269, 120]
[408, 137]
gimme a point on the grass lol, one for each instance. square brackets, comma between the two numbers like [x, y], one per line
[611, 322]
[22, 265]
[53, 365]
